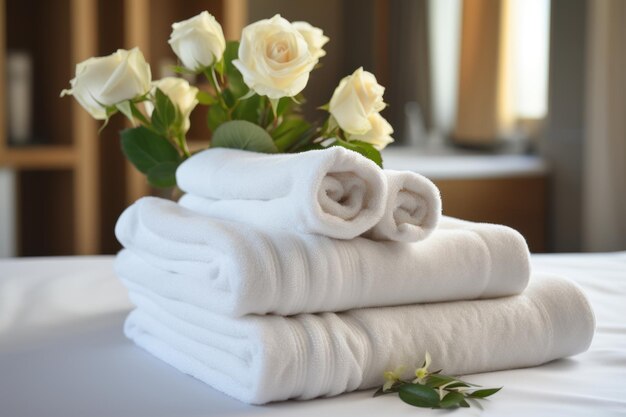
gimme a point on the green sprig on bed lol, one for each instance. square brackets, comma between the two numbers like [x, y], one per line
[432, 389]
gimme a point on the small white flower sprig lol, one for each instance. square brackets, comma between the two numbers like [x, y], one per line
[252, 99]
[432, 389]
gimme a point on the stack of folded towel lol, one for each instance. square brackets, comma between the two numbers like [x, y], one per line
[306, 275]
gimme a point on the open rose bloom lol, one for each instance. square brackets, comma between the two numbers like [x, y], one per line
[274, 58]
[252, 90]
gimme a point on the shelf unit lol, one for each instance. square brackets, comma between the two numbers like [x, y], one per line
[73, 183]
[68, 161]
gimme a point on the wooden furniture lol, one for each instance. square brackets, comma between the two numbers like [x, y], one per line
[71, 181]
[57, 179]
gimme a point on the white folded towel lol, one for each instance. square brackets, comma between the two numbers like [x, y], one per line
[236, 269]
[258, 359]
[413, 208]
[333, 192]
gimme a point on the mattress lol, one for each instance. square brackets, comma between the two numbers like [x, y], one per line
[62, 353]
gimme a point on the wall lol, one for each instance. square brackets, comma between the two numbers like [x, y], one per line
[562, 143]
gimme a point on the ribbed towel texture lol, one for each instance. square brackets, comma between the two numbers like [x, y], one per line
[306, 275]
[258, 359]
[235, 270]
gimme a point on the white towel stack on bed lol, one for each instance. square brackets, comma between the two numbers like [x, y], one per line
[298, 276]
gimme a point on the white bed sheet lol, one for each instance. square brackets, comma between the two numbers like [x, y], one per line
[62, 353]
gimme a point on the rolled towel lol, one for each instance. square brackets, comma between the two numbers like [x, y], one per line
[236, 269]
[258, 359]
[333, 192]
[413, 208]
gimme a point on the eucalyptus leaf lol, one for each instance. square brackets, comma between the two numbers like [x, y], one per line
[419, 395]
[163, 175]
[146, 149]
[241, 134]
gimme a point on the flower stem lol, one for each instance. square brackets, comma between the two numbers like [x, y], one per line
[182, 144]
[210, 75]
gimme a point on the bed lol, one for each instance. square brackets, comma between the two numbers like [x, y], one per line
[62, 353]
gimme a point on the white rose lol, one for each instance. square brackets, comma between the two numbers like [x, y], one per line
[356, 97]
[180, 92]
[379, 135]
[274, 58]
[105, 81]
[198, 42]
[314, 37]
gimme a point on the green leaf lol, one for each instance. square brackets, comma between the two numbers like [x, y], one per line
[163, 175]
[484, 393]
[464, 404]
[145, 149]
[248, 109]
[288, 132]
[452, 399]
[437, 380]
[241, 134]
[363, 148]
[216, 116]
[164, 114]
[205, 98]
[380, 391]
[419, 395]
[304, 142]
[284, 104]
[229, 98]
[235, 79]
[181, 70]
[310, 147]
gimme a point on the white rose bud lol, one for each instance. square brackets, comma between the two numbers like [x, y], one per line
[105, 81]
[356, 97]
[198, 42]
[379, 135]
[274, 58]
[180, 93]
[314, 37]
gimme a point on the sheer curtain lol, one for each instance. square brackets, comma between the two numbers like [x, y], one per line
[604, 157]
[489, 60]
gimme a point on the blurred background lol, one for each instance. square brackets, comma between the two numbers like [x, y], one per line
[515, 108]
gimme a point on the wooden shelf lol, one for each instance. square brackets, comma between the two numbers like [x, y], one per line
[39, 157]
[79, 176]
